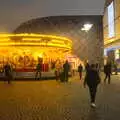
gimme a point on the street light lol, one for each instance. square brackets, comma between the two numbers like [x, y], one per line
[86, 27]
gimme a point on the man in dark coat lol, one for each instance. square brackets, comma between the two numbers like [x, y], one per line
[115, 69]
[107, 71]
[8, 72]
[66, 69]
[87, 66]
[38, 70]
[92, 79]
[80, 68]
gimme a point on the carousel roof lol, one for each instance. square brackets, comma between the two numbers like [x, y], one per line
[35, 40]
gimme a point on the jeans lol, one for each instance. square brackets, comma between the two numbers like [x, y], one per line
[66, 76]
[109, 78]
[57, 75]
[93, 90]
[8, 77]
[80, 75]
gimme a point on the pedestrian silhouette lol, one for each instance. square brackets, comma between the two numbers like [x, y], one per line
[38, 70]
[87, 66]
[80, 69]
[107, 71]
[8, 72]
[92, 79]
[66, 69]
[115, 69]
[97, 67]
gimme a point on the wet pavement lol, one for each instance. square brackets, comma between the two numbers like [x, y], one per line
[51, 100]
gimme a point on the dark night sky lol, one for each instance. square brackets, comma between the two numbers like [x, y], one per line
[14, 12]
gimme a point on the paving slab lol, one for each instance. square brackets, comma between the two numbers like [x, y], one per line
[51, 100]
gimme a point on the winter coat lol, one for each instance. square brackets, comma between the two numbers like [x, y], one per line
[92, 78]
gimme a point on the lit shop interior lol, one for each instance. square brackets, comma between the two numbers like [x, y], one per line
[23, 51]
[111, 26]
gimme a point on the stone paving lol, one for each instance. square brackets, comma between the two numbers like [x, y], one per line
[51, 100]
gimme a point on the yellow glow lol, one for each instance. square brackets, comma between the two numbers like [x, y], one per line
[28, 47]
[40, 55]
[36, 44]
[34, 35]
[35, 40]
[110, 41]
[5, 39]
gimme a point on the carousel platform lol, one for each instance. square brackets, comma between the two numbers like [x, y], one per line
[30, 75]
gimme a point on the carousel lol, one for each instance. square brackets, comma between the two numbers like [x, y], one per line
[23, 51]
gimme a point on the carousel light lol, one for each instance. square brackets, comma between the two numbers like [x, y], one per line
[54, 41]
[23, 44]
[4, 39]
[31, 35]
[40, 55]
[32, 39]
[41, 35]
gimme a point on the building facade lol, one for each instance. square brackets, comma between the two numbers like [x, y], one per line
[111, 26]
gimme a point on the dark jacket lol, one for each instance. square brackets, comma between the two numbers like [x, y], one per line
[87, 67]
[39, 67]
[66, 67]
[7, 70]
[92, 78]
[107, 69]
[80, 68]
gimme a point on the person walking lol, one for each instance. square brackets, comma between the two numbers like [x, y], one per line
[38, 70]
[66, 69]
[98, 67]
[8, 72]
[115, 69]
[80, 69]
[57, 70]
[92, 79]
[87, 66]
[107, 71]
